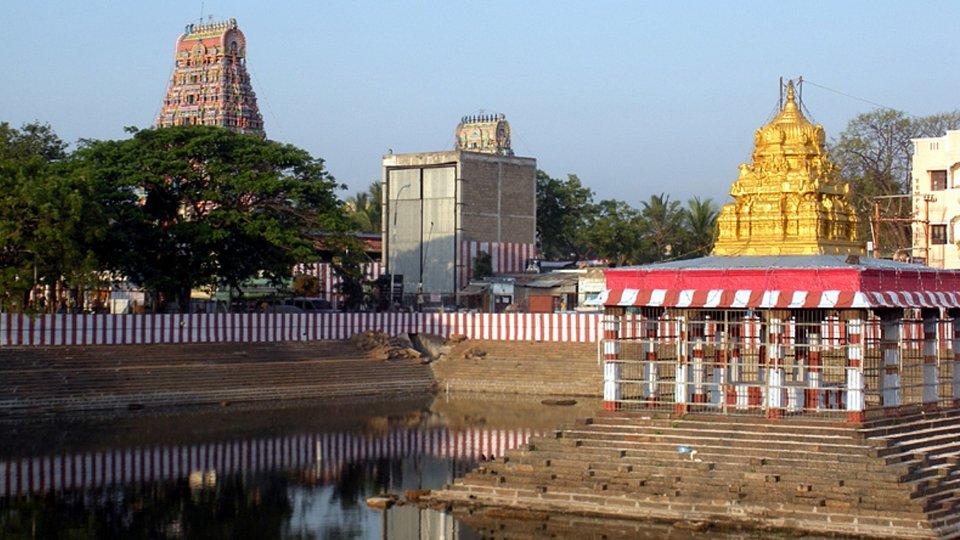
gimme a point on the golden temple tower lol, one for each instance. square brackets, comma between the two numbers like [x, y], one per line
[789, 200]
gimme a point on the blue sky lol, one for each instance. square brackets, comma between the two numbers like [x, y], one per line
[637, 98]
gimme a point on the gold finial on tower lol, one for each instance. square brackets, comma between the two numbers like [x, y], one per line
[789, 200]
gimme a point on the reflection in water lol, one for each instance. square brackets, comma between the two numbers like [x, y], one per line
[279, 473]
[244, 484]
[321, 456]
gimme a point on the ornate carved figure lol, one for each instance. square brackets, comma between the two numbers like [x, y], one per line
[210, 84]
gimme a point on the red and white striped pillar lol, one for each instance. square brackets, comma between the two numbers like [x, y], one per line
[775, 388]
[650, 371]
[812, 397]
[681, 384]
[699, 373]
[930, 353]
[855, 384]
[720, 393]
[955, 349]
[612, 393]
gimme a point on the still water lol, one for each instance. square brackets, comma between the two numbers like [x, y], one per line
[255, 471]
[265, 472]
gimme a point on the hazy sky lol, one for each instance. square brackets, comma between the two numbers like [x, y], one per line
[635, 97]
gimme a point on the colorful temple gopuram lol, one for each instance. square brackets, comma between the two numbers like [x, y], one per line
[787, 317]
[210, 85]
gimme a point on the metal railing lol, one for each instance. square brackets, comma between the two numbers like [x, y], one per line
[777, 363]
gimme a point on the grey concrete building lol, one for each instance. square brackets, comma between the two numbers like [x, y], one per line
[441, 209]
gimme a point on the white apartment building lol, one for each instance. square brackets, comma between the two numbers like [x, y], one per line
[936, 199]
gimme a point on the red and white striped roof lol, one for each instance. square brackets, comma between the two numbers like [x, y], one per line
[776, 299]
[783, 282]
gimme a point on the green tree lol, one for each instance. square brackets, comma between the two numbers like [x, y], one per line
[482, 265]
[364, 209]
[873, 155]
[564, 208]
[615, 233]
[664, 226]
[46, 221]
[936, 125]
[197, 206]
[700, 220]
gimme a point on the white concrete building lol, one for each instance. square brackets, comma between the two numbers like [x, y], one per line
[936, 199]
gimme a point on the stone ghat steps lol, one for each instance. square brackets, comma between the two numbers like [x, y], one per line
[200, 373]
[667, 509]
[537, 526]
[658, 460]
[569, 369]
[663, 474]
[906, 474]
[199, 376]
[144, 355]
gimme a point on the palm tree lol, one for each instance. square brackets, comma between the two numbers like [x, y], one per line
[364, 209]
[701, 221]
[664, 220]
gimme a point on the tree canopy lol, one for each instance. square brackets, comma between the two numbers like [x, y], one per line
[874, 154]
[364, 209]
[571, 225]
[197, 206]
[46, 220]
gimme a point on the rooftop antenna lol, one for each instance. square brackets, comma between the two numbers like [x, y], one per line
[201, 12]
[781, 94]
[800, 90]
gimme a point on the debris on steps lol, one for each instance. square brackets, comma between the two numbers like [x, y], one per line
[382, 346]
[474, 353]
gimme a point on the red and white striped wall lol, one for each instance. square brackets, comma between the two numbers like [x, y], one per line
[505, 257]
[138, 329]
[775, 299]
[327, 452]
[329, 280]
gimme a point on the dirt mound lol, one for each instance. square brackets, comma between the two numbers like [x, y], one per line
[382, 346]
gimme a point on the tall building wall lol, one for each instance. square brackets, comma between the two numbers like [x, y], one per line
[210, 84]
[499, 196]
[936, 199]
[440, 209]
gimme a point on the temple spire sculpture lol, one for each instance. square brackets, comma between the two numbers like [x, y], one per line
[484, 133]
[789, 200]
[210, 84]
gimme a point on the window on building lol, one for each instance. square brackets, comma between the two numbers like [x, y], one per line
[938, 180]
[938, 235]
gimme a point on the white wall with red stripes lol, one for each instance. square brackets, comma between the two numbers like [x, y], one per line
[329, 280]
[505, 257]
[326, 452]
[140, 329]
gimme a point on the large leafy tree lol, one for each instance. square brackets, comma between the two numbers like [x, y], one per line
[195, 206]
[564, 208]
[615, 233]
[874, 157]
[46, 220]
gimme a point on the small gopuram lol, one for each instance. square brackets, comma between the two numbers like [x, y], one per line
[788, 316]
[787, 382]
